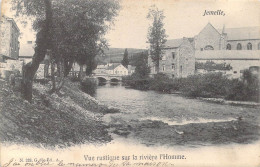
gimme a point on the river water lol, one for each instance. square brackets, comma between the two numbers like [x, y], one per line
[151, 124]
[176, 119]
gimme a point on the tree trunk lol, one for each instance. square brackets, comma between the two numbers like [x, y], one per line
[157, 66]
[43, 42]
[80, 72]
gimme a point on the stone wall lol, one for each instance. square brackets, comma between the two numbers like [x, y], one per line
[176, 62]
[244, 43]
[9, 44]
[208, 36]
[186, 64]
[5, 30]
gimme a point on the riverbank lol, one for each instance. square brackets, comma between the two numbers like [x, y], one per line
[212, 85]
[229, 102]
[160, 119]
[51, 120]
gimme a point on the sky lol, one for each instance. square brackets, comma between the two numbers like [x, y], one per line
[183, 18]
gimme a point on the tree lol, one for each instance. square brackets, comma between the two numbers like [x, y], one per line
[156, 35]
[142, 69]
[125, 61]
[68, 29]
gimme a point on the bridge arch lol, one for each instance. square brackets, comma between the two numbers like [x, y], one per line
[101, 79]
[114, 80]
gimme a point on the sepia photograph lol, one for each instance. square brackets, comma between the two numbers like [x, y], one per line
[122, 83]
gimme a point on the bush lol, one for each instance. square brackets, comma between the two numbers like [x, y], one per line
[162, 83]
[206, 85]
[244, 91]
[74, 78]
[89, 85]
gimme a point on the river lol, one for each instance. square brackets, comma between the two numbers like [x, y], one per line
[151, 124]
[154, 118]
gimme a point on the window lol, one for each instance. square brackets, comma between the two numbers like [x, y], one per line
[259, 46]
[249, 46]
[29, 42]
[228, 47]
[201, 49]
[173, 66]
[173, 55]
[239, 46]
[163, 67]
[208, 47]
[235, 72]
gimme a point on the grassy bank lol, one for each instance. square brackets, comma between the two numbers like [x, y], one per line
[51, 120]
[212, 85]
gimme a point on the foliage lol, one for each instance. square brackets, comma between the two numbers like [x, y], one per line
[207, 85]
[156, 35]
[89, 85]
[135, 82]
[245, 90]
[161, 82]
[140, 62]
[125, 61]
[211, 85]
[211, 66]
[71, 30]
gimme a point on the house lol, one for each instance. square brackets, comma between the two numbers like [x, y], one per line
[117, 69]
[238, 47]
[9, 44]
[178, 59]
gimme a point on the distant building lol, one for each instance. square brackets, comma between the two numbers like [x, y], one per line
[9, 44]
[239, 47]
[117, 69]
[178, 59]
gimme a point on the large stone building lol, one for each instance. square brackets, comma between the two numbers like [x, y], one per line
[9, 43]
[178, 59]
[239, 47]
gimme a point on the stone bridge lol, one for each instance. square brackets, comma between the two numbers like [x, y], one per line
[108, 77]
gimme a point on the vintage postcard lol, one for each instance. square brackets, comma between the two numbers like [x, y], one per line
[114, 83]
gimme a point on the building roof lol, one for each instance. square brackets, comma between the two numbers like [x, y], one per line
[228, 55]
[113, 66]
[173, 43]
[242, 33]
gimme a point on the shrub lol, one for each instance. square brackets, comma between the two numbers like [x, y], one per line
[161, 82]
[74, 78]
[246, 90]
[89, 85]
[206, 85]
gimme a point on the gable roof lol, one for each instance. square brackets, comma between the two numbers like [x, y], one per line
[173, 43]
[113, 66]
[242, 33]
[209, 25]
